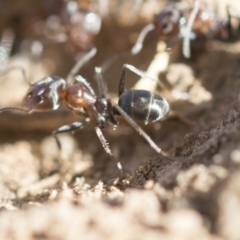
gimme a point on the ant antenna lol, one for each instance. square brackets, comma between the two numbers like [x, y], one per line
[5, 71]
[135, 49]
[188, 30]
[107, 63]
[135, 9]
[3, 109]
[80, 62]
[139, 43]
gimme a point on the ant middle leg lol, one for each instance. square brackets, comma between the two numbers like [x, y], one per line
[69, 128]
[107, 148]
[63, 162]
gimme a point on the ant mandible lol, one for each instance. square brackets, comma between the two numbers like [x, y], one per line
[133, 105]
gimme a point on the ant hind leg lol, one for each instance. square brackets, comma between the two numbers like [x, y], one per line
[137, 128]
[135, 70]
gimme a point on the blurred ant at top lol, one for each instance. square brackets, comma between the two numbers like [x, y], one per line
[179, 21]
[56, 21]
[74, 25]
[30, 29]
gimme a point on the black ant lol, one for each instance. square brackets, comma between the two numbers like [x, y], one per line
[177, 21]
[133, 105]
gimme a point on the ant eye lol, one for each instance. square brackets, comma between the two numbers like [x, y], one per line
[38, 99]
[29, 95]
[166, 27]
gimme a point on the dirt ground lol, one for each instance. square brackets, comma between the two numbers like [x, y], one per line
[191, 191]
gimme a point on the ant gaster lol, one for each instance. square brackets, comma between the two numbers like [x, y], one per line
[133, 105]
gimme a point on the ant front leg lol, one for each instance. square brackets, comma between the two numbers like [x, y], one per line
[69, 128]
[107, 148]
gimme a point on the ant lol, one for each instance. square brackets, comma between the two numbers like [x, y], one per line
[177, 21]
[79, 97]
[74, 25]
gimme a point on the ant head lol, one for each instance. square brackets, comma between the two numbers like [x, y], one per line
[167, 23]
[45, 94]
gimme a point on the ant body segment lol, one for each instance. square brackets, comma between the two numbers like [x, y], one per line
[74, 25]
[79, 97]
[177, 21]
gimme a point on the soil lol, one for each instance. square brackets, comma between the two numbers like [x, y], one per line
[191, 190]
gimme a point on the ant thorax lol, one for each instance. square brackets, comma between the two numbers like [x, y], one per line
[77, 97]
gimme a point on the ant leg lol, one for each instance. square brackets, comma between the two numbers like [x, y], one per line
[69, 128]
[179, 116]
[135, 49]
[109, 61]
[187, 34]
[80, 62]
[134, 70]
[137, 128]
[100, 81]
[98, 71]
[107, 148]
[139, 43]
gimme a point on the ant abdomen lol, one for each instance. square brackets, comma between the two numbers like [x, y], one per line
[144, 106]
